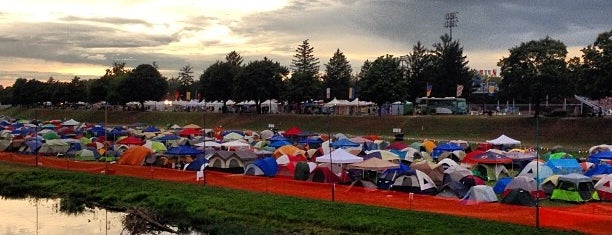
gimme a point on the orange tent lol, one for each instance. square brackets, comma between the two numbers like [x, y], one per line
[134, 156]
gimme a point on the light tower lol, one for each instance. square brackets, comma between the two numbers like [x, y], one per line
[451, 21]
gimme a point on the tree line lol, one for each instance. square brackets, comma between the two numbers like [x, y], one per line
[532, 70]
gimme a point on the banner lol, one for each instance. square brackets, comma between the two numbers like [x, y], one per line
[188, 96]
[328, 93]
[176, 95]
[459, 90]
[351, 93]
[428, 89]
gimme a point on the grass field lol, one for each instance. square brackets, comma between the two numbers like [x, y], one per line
[571, 133]
[224, 211]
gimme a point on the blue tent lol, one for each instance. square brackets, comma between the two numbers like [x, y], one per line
[33, 145]
[98, 131]
[564, 166]
[266, 166]
[400, 154]
[343, 143]
[603, 155]
[151, 129]
[184, 150]
[448, 147]
[279, 143]
[168, 137]
[278, 137]
[501, 184]
[601, 169]
[310, 140]
[388, 176]
[196, 164]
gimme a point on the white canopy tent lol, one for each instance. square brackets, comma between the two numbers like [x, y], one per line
[504, 140]
[339, 156]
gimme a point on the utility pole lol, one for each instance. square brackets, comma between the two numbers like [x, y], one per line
[451, 21]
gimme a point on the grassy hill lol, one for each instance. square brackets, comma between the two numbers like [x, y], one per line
[571, 133]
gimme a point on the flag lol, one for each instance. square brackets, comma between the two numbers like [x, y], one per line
[199, 96]
[351, 93]
[459, 90]
[176, 95]
[328, 93]
[188, 95]
[428, 89]
[495, 72]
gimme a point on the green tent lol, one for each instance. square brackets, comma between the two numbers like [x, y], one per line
[575, 188]
[560, 155]
[51, 135]
[85, 155]
[490, 172]
[302, 171]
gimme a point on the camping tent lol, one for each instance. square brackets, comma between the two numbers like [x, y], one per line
[448, 147]
[479, 194]
[564, 166]
[134, 156]
[601, 156]
[197, 165]
[266, 166]
[434, 171]
[537, 170]
[453, 189]
[604, 188]
[490, 172]
[525, 183]
[414, 181]
[518, 196]
[574, 187]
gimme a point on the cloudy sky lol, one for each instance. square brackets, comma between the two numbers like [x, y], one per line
[67, 38]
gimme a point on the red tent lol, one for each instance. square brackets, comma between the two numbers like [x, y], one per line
[131, 140]
[190, 131]
[293, 131]
[398, 145]
[488, 157]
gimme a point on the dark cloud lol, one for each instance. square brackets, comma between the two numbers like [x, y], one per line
[483, 25]
[106, 20]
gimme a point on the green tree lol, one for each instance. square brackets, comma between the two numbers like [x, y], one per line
[421, 67]
[234, 58]
[142, 84]
[451, 68]
[260, 80]
[338, 75]
[595, 74]
[304, 83]
[185, 79]
[217, 81]
[382, 82]
[534, 70]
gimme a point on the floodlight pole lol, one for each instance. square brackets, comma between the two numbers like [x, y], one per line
[451, 22]
[36, 136]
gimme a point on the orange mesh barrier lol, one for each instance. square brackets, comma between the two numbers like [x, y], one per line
[593, 218]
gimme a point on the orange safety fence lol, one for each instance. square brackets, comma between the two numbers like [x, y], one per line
[593, 218]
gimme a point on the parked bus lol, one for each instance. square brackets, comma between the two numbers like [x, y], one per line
[446, 105]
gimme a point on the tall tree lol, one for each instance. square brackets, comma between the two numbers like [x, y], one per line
[596, 70]
[142, 84]
[185, 79]
[534, 70]
[260, 80]
[421, 67]
[451, 68]
[234, 58]
[338, 75]
[382, 82]
[304, 83]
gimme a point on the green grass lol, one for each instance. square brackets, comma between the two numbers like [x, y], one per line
[223, 211]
